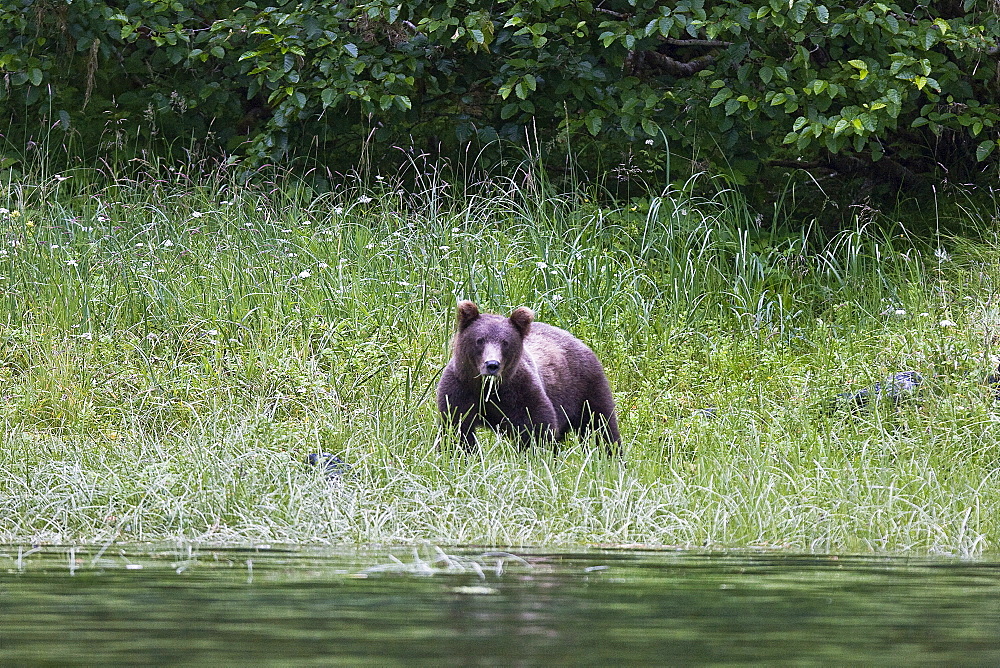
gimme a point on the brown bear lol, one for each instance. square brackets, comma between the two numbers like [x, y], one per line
[525, 379]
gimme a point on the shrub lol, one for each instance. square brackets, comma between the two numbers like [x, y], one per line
[742, 85]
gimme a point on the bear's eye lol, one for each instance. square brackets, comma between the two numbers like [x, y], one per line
[480, 341]
[504, 344]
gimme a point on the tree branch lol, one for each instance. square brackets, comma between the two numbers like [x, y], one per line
[669, 65]
[673, 41]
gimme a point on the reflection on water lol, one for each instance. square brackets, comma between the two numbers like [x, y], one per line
[397, 607]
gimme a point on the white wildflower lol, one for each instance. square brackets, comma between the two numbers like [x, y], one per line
[948, 323]
[305, 274]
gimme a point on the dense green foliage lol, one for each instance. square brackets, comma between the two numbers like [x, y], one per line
[741, 85]
[170, 351]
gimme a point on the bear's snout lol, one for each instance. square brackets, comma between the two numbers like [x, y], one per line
[492, 359]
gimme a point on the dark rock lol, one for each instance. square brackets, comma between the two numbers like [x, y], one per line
[993, 382]
[896, 388]
[333, 466]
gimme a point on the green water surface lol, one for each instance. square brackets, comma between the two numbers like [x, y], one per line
[388, 607]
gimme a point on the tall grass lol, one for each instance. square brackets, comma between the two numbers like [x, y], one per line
[172, 346]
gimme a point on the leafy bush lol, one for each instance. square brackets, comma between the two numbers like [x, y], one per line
[788, 83]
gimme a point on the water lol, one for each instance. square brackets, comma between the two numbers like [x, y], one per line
[469, 607]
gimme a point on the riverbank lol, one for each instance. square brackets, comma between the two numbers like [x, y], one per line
[172, 351]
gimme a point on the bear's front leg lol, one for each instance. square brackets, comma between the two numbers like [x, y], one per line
[533, 424]
[467, 435]
[463, 418]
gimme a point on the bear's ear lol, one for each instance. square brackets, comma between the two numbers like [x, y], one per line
[467, 314]
[521, 318]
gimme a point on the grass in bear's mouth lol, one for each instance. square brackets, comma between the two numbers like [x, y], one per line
[170, 354]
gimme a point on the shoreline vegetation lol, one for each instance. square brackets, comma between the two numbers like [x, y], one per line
[173, 348]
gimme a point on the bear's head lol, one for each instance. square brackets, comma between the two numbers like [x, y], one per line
[490, 345]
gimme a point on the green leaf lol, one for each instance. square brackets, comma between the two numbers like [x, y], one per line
[594, 122]
[766, 73]
[799, 10]
[985, 149]
[351, 49]
[720, 97]
[35, 76]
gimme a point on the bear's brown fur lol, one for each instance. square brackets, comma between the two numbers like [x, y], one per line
[525, 379]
